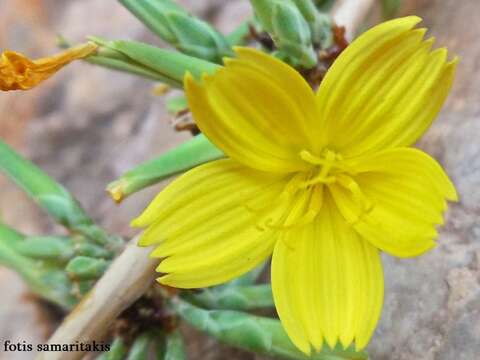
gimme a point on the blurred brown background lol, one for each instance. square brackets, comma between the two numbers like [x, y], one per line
[87, 125]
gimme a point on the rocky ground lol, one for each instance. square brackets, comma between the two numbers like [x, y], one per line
[85, 128]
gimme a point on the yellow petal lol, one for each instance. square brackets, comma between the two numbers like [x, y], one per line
[202, 224]
[17, 72]
[385, 89]
[327, 283]
[407, 190]
[256, 109]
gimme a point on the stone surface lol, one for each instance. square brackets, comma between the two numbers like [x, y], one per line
[85, 128]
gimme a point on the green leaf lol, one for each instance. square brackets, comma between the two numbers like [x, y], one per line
[254, 333]
[169, 64]
[118, 350]
[85, 248]
[46, 279]
[174, 347]
[55, 248]
[51, 196]
[233, 298]
[152, 14]
[187, 33]
[129, 67]
[139, 349]
[324, 5]
[189, 154]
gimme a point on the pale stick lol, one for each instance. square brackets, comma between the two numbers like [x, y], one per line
[129, 276]
[133, 272]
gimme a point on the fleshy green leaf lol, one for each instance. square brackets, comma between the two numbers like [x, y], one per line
[139, 349]
[176, 26]
[189, 154]
[86, 268]
[233, 297]
[51, 196]
[171, 65]
[254, 333]
[56, 248]
[46, 279]
[174, 347]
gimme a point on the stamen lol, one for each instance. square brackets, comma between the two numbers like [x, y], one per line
[327, 162]
[358, 195]
[310, 158]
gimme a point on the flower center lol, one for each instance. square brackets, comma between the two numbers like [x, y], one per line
[302, 197]
[325, 165]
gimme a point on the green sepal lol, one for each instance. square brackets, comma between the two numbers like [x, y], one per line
[320, 23]
[307, 9]
[254, 333]
[193, 152]
[292, 35]
[86, 268]
[197, 38]
[264, 12]
[321, 29]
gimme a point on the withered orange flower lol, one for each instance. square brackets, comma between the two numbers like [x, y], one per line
[18, 72]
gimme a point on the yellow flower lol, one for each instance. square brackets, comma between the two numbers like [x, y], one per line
[17, 72]
[324, 181]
